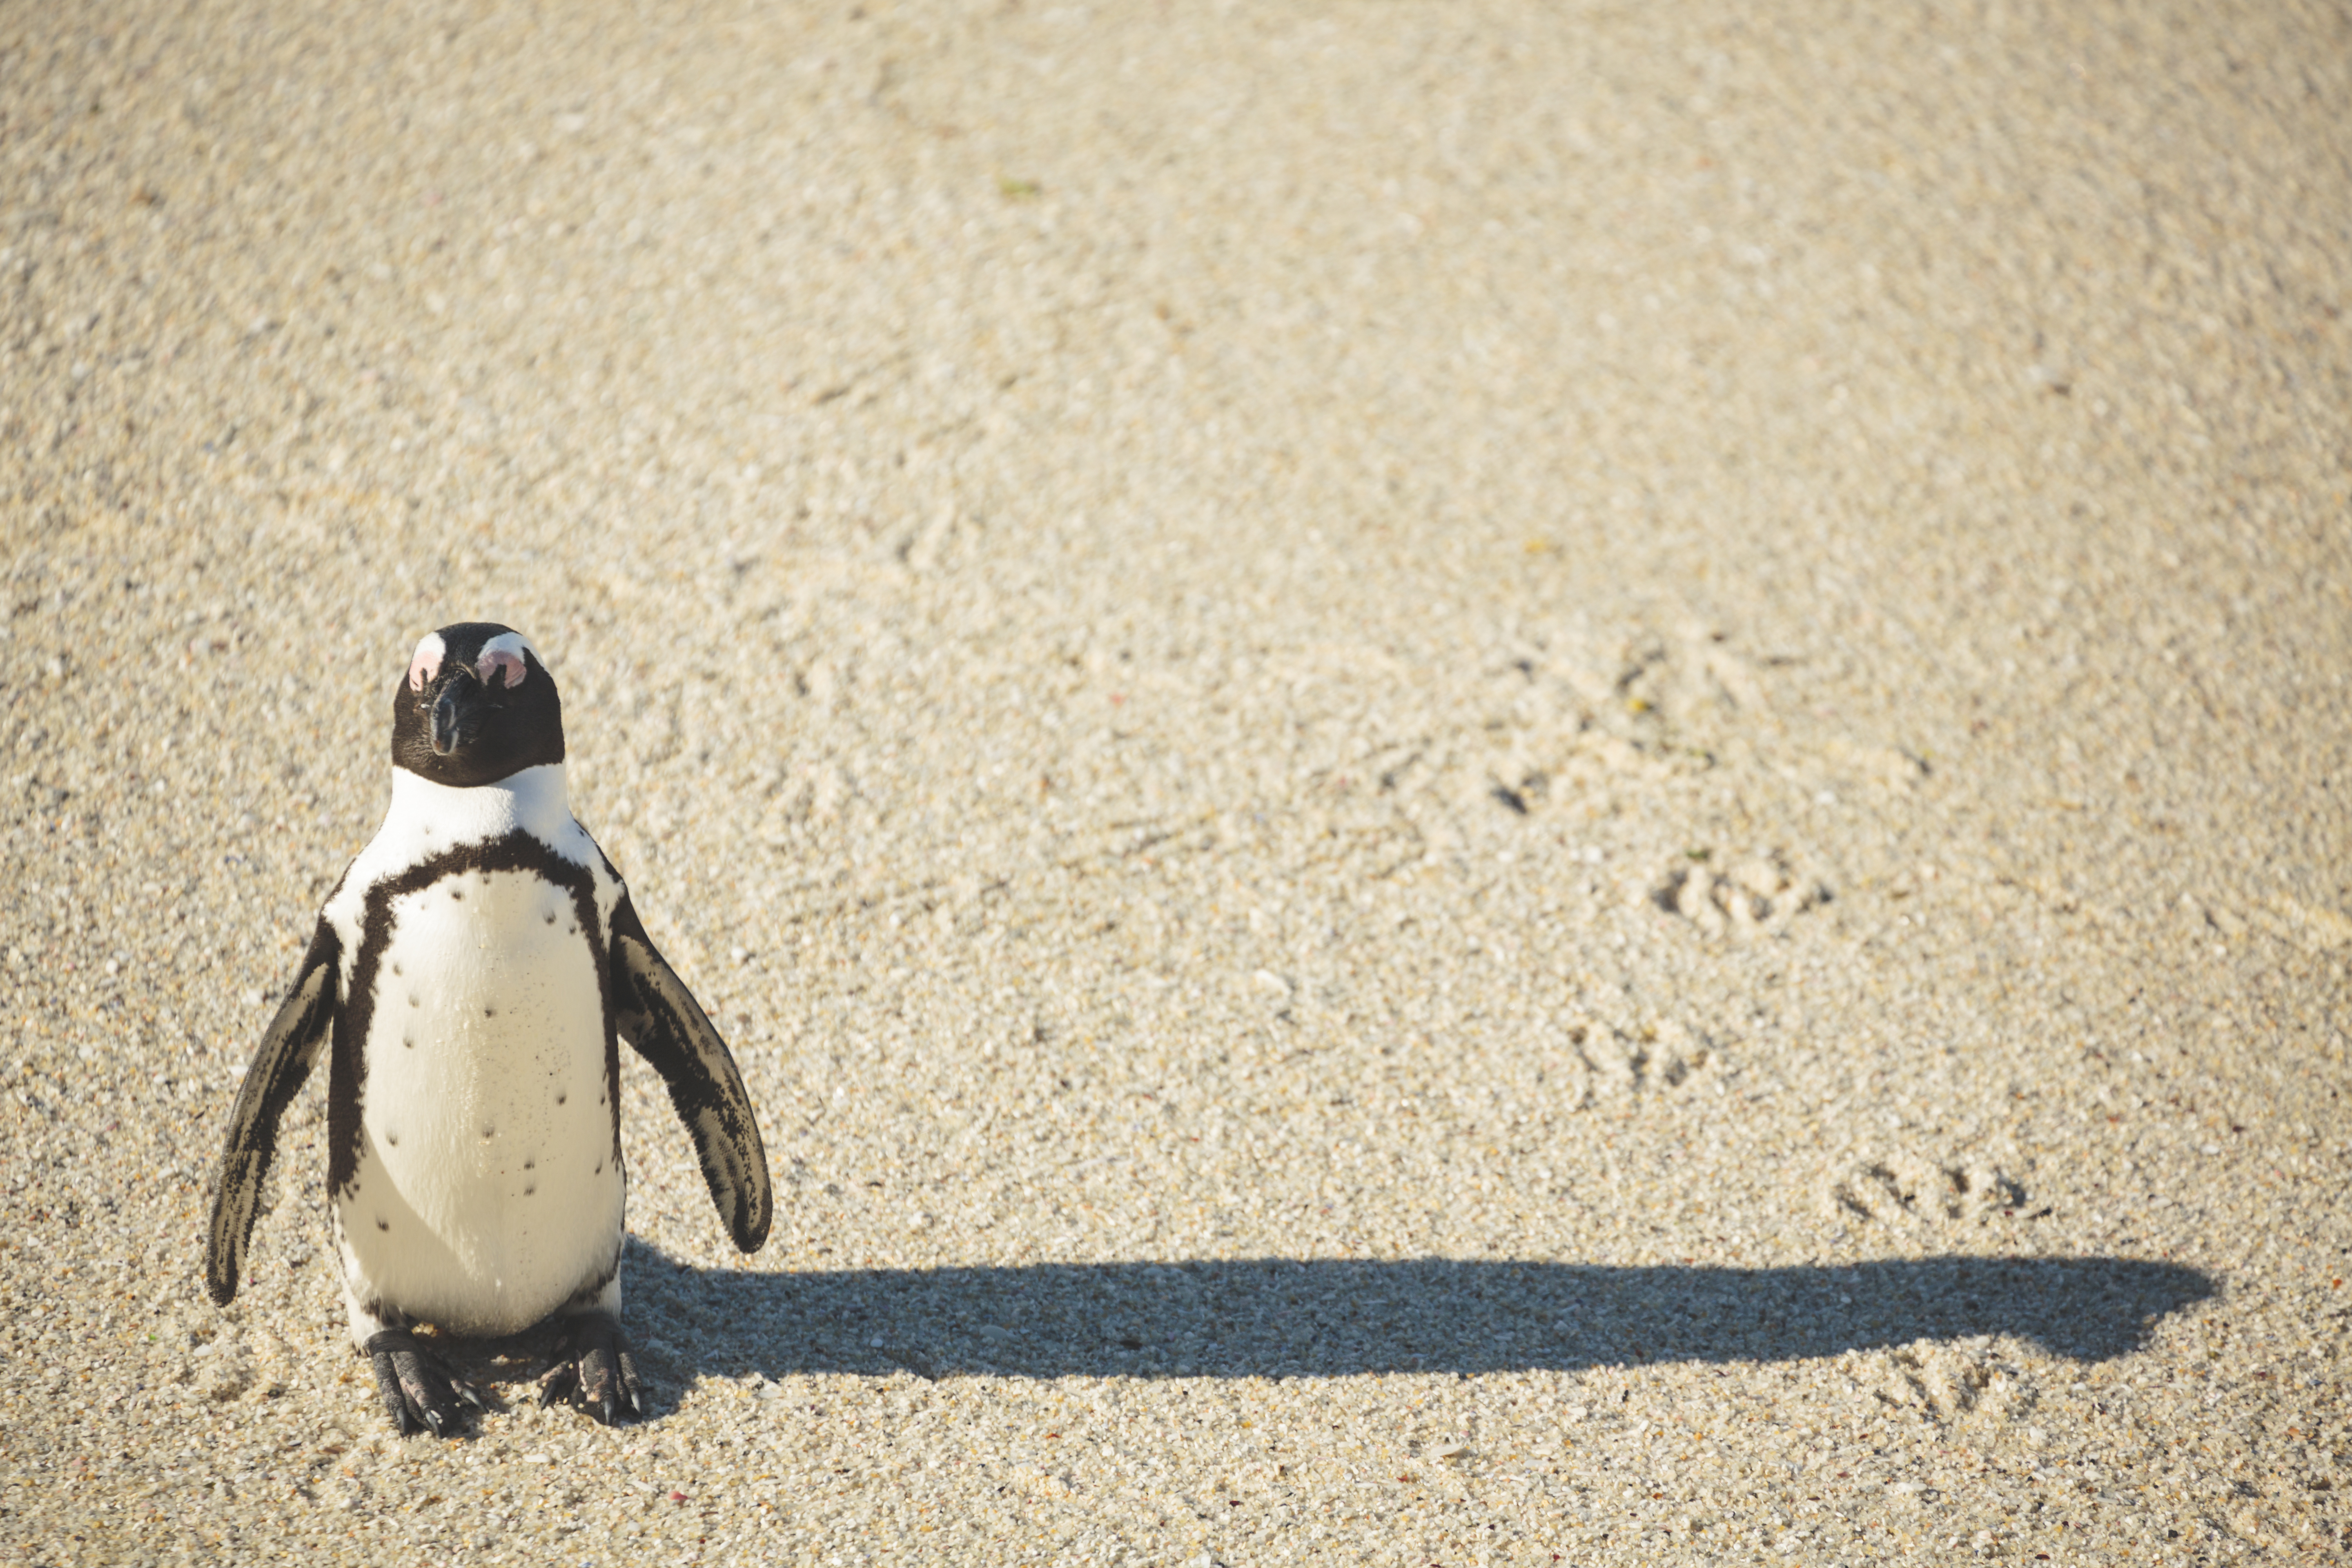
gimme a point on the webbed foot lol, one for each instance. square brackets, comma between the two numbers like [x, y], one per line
[595, 1370]
[419, 1391]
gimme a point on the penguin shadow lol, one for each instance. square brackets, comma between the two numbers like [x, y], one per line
[1279, 1317]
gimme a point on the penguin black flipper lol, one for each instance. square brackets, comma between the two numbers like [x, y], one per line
[662, 1021]
[289, 1047]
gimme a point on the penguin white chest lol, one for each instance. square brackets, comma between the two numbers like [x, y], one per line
[489, 1189]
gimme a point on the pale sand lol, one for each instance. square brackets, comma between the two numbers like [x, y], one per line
[1469, 782]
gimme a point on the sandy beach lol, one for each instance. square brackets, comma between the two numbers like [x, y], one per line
[1467, 783]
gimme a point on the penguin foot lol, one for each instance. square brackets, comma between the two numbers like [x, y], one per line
[597, 1371]
[419, 1391]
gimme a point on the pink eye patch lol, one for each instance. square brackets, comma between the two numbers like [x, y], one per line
[425, 662]
[499, 667]
[500, 660]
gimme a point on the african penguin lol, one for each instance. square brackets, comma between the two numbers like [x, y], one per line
[470, 978]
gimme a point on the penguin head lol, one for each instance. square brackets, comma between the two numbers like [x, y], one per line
[477, 706]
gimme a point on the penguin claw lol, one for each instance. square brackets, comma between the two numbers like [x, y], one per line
[597, 1371]
[418, 1390]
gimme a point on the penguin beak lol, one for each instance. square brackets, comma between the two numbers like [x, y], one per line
[455, 719]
